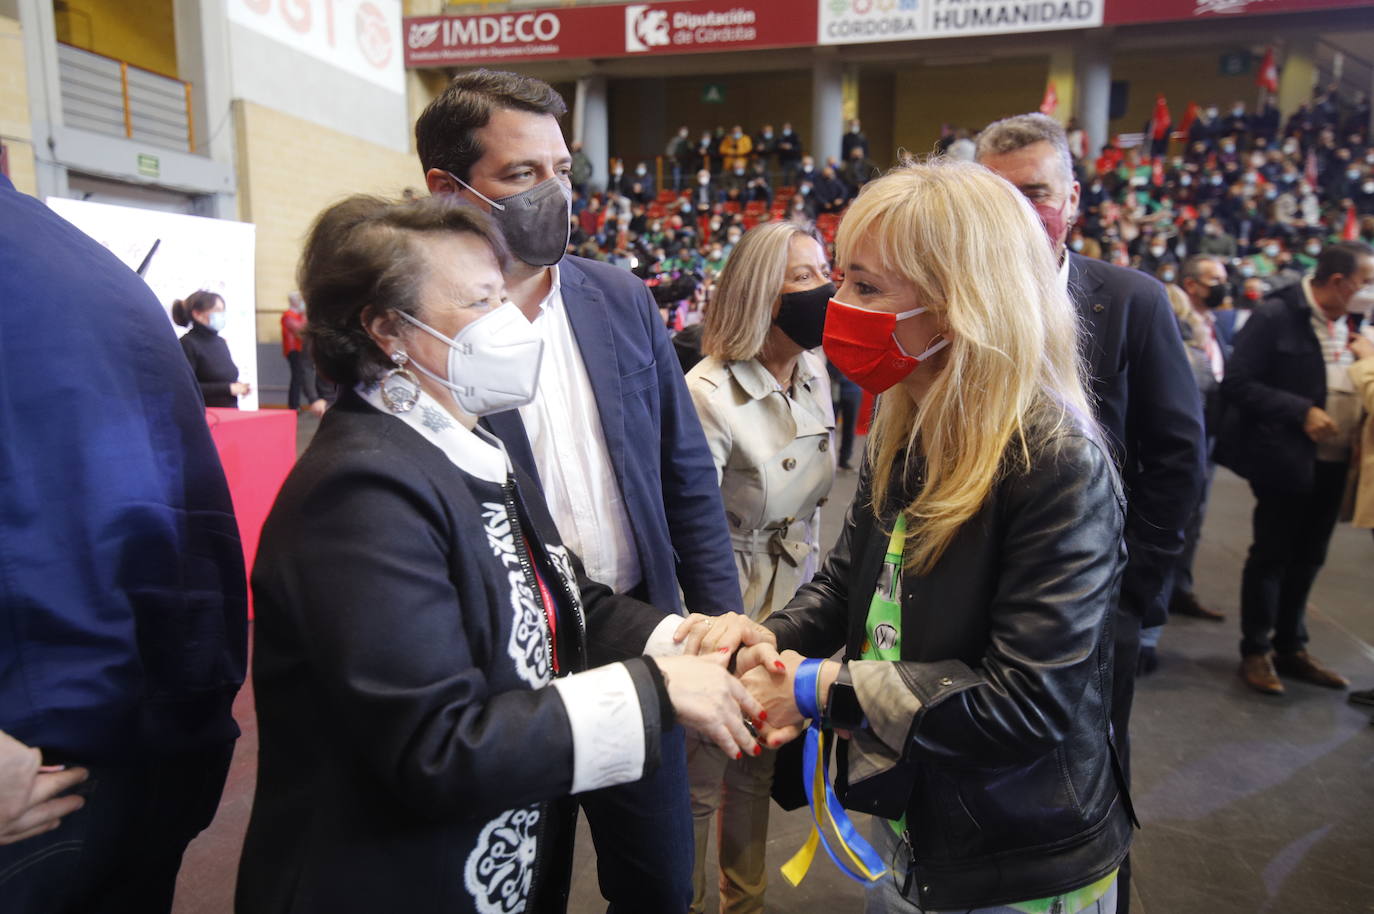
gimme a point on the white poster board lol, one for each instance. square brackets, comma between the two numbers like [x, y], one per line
[361, 37]
[852, 21]
[192, 253]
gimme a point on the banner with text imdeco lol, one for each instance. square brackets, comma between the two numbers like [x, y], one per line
[632, 30]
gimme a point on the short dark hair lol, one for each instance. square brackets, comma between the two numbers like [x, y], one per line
[198, 302]
[360, 256]
[1343, 257]
[446, 132]
[1192, 267]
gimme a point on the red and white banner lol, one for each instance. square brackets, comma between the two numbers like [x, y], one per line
[1050, 103]
[681, 27]
[1124, 12]
[1268, 76]
[358, 36]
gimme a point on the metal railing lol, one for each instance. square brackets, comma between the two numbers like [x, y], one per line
[114, 97]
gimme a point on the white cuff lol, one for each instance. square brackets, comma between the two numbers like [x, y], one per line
[660, 643]
[607, 727]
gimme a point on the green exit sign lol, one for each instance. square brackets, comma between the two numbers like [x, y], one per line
[1236, 63]
[148, 165]
[713, 94]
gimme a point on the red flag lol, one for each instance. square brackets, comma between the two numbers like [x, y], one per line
[1050, 103]
[1157, 173]
[1159, 123]
[1268, 77]
[1189, 116]
[1309, 173]
[1351, 229]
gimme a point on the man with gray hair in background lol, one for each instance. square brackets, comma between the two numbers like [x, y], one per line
[1146, 399]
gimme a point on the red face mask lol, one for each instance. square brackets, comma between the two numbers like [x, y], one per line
[860, 343]
[1056, 226]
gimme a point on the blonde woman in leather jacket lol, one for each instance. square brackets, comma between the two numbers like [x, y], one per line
[971, 588]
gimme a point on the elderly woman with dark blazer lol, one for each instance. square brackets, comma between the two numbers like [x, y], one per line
[434, 674]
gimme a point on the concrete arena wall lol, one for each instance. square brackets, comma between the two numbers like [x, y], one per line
[962, 95]
[1182, 76]
[289, 170]
[15, 127]
[645, 112]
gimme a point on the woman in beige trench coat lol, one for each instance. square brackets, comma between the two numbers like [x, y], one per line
[764, 403]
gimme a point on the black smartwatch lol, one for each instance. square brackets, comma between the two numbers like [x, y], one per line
[842, 711]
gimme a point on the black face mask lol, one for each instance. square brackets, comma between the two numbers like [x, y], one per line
[1216, 296]
[802, 315]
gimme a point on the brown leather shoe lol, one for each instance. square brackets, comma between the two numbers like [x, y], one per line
[1258, 673]
[1187, 605]
[1301, 665]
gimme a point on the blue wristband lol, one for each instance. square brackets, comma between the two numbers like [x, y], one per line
[804, 688]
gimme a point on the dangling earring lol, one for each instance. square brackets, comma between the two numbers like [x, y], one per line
[400, 389]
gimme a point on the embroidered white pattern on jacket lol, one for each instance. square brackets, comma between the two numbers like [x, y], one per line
[563, 563]
[500, 869]
[528, 645]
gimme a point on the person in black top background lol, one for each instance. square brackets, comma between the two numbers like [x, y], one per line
[208, 354]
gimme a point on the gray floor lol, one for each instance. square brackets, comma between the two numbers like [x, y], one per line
[1250, 803]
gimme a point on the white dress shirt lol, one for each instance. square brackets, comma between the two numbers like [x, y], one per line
[569, 445]
[1213, 347]
[1342, 400]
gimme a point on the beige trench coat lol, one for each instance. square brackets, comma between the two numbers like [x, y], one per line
[1362, 374]
[775, 465]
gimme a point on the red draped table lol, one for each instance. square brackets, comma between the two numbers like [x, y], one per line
[257, 449]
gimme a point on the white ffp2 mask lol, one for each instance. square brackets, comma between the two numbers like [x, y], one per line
[493, 363]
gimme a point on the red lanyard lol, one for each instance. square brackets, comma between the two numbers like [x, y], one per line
[549, 607]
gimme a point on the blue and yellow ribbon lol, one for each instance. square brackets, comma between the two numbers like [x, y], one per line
[867, 867]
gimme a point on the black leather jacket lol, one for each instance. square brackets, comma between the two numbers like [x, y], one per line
[1007, 654]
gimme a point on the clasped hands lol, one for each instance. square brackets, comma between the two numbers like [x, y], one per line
[760, 690]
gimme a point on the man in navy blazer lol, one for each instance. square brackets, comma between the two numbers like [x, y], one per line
[612, 437]
[123, 604]
[1147, 401]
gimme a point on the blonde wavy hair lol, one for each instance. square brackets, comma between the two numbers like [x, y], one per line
[977, 256]
[736, 325]
[1183, 310]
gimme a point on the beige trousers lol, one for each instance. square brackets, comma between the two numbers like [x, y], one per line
[738, 792]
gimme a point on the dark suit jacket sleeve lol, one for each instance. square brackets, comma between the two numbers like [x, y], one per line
[387, 639]
[691, 496]
[1164, 413]
[618, 627]
[1244, 385]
